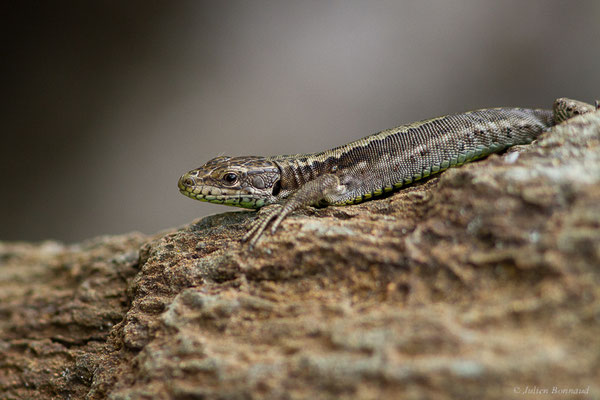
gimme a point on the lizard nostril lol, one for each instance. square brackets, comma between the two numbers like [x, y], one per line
[187, 181]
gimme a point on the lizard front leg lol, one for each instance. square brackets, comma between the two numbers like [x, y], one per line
[325, 189]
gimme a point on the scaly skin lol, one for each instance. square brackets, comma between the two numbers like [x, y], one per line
[369, 167]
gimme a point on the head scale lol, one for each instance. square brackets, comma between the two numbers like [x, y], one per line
[567, 108]
[248, 182]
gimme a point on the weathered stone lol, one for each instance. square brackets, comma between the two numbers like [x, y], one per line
[480, 283]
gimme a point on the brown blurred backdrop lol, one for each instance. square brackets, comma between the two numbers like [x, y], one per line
[107, 103]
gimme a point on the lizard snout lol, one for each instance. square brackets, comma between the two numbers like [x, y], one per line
[186, 182]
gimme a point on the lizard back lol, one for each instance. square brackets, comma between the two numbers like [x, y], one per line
[390, 159]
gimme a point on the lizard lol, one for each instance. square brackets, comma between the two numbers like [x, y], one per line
[369, 167]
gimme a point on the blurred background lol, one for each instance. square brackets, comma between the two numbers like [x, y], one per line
[107, 103]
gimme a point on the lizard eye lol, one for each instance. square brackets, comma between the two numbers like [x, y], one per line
[230, 177]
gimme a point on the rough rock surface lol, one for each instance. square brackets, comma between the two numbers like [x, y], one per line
[480, 283]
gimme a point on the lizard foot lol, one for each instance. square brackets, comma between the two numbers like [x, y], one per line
[265, 216]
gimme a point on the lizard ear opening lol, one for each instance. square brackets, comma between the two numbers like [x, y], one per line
[276, 188]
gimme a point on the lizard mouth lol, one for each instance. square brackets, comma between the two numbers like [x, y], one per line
[192, 187]
[236, 200]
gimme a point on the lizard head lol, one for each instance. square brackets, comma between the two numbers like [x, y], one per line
[566, 108]
[248, 182]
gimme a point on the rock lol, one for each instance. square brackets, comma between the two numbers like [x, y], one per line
[59, 306]
[480, 283]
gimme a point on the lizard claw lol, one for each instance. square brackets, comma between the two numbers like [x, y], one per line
[258, 226]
